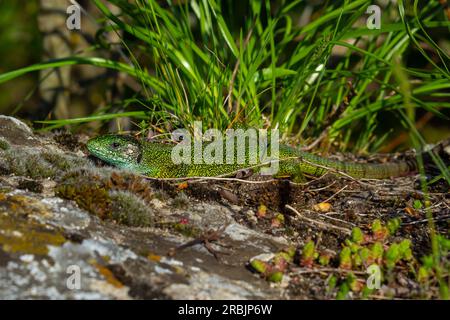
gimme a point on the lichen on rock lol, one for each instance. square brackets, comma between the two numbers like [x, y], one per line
[19, 232]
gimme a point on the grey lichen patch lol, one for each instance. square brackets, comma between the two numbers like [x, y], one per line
[128, 209]
[204, 285]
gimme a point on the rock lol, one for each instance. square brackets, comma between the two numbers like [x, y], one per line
[71, 230]
[16, 132]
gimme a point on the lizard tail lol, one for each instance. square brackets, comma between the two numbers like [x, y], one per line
[317, 166]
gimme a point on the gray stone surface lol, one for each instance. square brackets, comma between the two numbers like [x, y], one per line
[46, 240]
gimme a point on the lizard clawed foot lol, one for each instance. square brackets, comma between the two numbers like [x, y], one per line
[205, 239]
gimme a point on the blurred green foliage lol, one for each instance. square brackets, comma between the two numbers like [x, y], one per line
[20, 45]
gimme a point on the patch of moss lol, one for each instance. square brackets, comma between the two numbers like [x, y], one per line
[4, 165]
[109, 195]
[26, 163]
[128, 209]
[38, 167]
[33, 164]
[180, 201]
[4, 145]
[89, 195]
[162, 195]
[63, 162]
[131, 183]
[187, 230]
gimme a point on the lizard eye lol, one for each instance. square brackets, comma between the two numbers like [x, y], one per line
[115, 145]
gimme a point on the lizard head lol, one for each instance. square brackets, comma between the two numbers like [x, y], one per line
[119, 150]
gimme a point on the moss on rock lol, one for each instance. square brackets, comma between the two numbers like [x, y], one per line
[4, 145]
[128, 209]
[124, 198]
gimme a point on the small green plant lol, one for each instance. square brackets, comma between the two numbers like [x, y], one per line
[350, 284]
[331, 283]
[377, 251]
[274, 269]
[361, 251]
[436, 268]
[345, 258]
[393, 225]
[259, 266]
[417, 204]
[309, 254]
[392, 255]
[357, 235]
[343, 292]
[380, 232]
[324, 259]
[366, 256]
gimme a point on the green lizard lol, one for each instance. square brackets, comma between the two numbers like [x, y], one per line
[154, 160]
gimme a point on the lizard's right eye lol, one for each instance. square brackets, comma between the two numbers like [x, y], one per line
[115, 145]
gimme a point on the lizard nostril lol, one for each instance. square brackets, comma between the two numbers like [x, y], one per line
[115, 145]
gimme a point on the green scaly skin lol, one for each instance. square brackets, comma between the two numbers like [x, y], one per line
[154, 160]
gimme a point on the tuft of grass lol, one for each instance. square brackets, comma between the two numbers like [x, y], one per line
[299, 67]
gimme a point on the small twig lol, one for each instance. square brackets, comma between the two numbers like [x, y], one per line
[313, 144]
[320, 224]
[425, 220]
[327, 216]
[323, 188]
[327, 270]
[339, 191]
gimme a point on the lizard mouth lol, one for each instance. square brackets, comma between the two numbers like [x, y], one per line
[94, 148]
